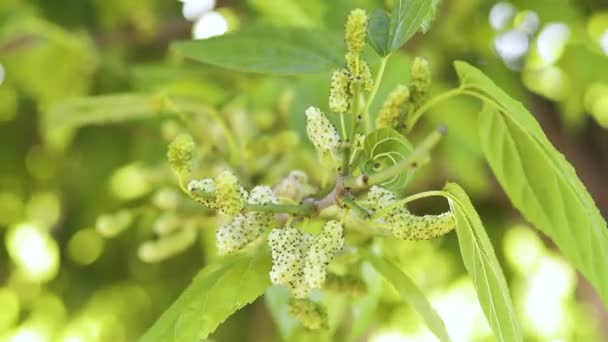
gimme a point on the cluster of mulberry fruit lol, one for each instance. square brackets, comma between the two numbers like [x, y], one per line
[300, 260]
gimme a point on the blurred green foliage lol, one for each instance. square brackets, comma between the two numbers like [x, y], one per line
[92, 95]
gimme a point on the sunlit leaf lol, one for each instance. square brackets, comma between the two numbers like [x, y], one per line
[539, 180]
[411, 294]
[481, 263]
[388, 34]
[378, 29]
[219, 290]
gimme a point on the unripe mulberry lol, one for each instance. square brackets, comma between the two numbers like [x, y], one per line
[400, 223]
[229, 195]
[180, 154]
[312, 315]
[394, 109]
[321, 132]
[244, 229]
[339, 93]
[322, 251]
[360, 73]
[289, 247]
[356, 31]
[295, 186]
[207, 186]
[421, 81]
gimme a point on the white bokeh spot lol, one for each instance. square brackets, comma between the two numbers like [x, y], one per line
[211, 24]
[194, 9]
[511, 45]
[551, 41]
[528, 22]
[501, 15]
[603, 43]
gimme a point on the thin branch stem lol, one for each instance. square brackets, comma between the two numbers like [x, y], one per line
[297, 209]
[343, 126]
[308, 207]
[413, 119]
[353, 129]
[372, 95]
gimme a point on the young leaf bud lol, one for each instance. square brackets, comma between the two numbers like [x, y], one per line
[321, 132]
[289, 247]
[356, 31]
[229, 196]
[322, 252]
[180, 154]
[312, 315]
[206, 186]
[421, 81]
[395, 108]
[339, 96]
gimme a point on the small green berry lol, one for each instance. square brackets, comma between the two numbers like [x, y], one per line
[339, 93]
[345, 284]
[360, 73]
[395, 108]
[229, 195]
[356, 31]
[421, 81]
[180, 154]
[312, 315]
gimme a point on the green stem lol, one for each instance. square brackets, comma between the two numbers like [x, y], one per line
[353, 130]
[343, 126]
[372, 95]
[413, 119]
[298, 209]
[350, 203]
[409, 163]
[402, 202]
[301, 209]
[346, 151]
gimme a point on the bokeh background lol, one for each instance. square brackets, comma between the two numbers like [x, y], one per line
[97, 240]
